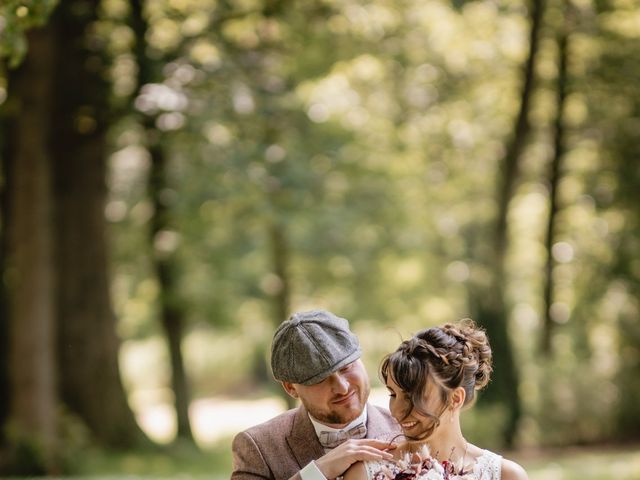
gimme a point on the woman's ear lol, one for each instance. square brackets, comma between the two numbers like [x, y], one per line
[458, 397]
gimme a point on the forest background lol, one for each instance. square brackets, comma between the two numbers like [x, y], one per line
[178, 176]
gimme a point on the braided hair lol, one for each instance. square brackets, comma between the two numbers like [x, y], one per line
[446, 358]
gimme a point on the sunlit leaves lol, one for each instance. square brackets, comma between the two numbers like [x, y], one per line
[625, 22]
[16, 18]
[370, 130]
[165, 34]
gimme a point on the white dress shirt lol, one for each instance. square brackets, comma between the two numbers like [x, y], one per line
[311, 471]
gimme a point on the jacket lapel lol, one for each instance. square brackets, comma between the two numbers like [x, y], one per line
[378, 426]
[303, 440]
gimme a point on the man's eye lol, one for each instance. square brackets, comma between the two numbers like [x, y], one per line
[346, 368]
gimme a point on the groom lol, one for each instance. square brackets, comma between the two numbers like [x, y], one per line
[316, 358]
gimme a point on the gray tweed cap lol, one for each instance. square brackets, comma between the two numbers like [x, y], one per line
[312, 345]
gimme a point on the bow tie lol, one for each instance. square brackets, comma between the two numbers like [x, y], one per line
[335, 438]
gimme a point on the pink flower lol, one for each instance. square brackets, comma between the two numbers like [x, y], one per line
[421, 465]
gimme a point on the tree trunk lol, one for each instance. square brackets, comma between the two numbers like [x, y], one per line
[7, 133]
[511, 161]
[554, 179]
[28, 227]
[491, 309]
[88, 344]
[280, 252]
[282, 296]
[171, 311]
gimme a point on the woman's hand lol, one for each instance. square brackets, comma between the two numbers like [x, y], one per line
[338, 460]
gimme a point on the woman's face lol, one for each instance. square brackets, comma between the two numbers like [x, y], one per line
[414, 423]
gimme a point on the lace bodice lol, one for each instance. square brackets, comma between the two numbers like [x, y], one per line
[487, 467]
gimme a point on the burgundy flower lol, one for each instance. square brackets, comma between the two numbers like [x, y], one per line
[421, 466]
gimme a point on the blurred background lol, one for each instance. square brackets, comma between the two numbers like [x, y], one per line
[178, 176]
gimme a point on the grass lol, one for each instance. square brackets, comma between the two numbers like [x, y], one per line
[601, 463]
[183, 462]
[180, 461]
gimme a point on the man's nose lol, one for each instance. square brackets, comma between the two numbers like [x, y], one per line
[339, 383]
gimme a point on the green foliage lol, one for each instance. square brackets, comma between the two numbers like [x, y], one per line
[370, 135]
[369, 132]
[26, 454]
[16, 18]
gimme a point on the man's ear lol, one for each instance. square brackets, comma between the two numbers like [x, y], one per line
[290, 388]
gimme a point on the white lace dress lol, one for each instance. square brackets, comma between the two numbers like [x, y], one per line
[488, 466]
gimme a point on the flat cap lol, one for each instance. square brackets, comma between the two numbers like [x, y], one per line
[312, 345]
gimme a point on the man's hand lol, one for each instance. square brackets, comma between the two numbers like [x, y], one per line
[338, 460]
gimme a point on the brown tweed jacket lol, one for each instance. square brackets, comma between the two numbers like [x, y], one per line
[279, 448]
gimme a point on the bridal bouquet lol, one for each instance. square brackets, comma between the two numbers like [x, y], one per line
[422, 466]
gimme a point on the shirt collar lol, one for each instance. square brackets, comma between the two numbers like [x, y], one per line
[321, 427]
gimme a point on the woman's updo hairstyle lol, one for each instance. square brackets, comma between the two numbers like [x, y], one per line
[452, 356]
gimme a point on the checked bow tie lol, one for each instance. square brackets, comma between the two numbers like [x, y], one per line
[335, 438]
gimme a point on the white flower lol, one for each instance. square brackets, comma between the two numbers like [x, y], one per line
[424, 452]
[431, 475]
[437, 466]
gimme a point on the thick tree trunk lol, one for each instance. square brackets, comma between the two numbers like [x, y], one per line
[28, 226]
[554, 180]
[491, 308]
[88, 356]
[6, 130]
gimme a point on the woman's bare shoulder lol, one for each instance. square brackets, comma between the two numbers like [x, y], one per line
[512, 471]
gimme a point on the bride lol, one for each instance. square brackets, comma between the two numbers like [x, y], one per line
[431, 378]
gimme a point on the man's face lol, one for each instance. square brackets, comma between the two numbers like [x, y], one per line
[338, 399]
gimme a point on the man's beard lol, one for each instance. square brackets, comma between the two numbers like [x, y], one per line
[336, 418]
[331, 418]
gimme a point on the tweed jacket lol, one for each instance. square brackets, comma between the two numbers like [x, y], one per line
[279, 448]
